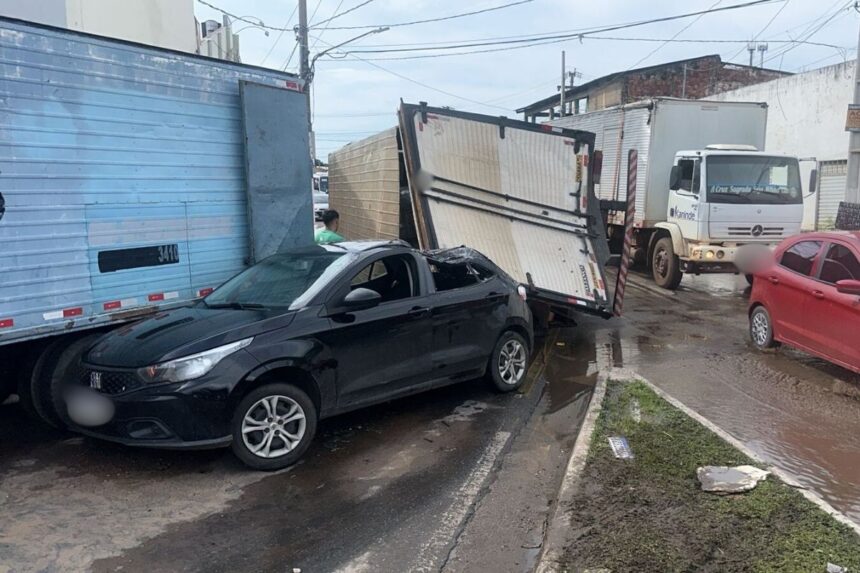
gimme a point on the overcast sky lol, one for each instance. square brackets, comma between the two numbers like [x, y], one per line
[353, 99]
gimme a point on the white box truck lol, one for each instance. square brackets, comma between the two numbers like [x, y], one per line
[704, 187]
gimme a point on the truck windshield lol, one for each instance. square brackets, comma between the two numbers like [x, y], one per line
[753, 179]
[283, 280]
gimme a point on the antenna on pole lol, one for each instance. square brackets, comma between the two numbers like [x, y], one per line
[751, 50]
[762, 48]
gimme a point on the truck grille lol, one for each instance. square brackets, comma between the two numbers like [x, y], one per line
[110, 382]
[748, 231]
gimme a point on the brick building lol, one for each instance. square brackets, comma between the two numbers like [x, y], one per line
[694, 78]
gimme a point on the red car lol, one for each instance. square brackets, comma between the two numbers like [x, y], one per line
[808, 297]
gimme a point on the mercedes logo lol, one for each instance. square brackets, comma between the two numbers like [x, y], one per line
[757, 231]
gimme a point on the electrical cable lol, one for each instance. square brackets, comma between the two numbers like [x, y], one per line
[678, 33]
[440, 19]
[760, 32]
[281, 35]
[582, 34]
[344, 13]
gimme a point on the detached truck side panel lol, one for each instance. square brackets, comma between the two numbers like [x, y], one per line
[122, 169]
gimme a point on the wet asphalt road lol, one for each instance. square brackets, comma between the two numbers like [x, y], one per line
[459, 479]
[419, 484]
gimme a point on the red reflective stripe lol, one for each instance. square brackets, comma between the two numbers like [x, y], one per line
[112, 305]
[205, 291]
[156, 297]
[67, 312]
[7, 322]
[546, 127]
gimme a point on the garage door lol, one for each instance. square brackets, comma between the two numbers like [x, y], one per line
[831, 190]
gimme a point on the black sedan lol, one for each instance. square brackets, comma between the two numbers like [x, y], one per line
[301, 336]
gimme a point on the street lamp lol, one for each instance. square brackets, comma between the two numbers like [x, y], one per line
[310, 77]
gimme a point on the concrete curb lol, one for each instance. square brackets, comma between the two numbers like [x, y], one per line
[554, 542]
[559, 523]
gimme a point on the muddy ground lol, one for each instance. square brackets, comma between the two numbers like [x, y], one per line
[456, 479]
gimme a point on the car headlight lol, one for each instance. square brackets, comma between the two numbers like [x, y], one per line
[193, 366]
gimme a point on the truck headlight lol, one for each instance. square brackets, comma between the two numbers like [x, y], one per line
[709, 254]
[192, 366]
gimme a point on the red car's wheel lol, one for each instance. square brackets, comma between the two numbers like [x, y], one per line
[761, 329]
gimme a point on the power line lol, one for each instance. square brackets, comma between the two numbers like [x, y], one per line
[766, 26]
[582, 34]
[326, 26]
[417, 82]
[607, 38]
[678, 33]
[440, 19]
[344, 13]
[839, 11]
[259, 22]
[281, 35]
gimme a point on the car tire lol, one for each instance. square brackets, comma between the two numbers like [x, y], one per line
[665, 265]
[761, 329]
[509, 362]
[56, 368]
[289, 427]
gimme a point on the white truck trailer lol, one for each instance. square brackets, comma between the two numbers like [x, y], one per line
[704, 187]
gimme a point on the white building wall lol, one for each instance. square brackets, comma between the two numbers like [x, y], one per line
[164, 23]
[806, 117]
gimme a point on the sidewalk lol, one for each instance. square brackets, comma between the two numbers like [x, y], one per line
[649, 514]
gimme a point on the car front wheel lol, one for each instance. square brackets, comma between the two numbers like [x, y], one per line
[761, 329]
[509, 362]
[273, 426]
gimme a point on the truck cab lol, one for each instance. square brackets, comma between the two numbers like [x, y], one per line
[720, 198]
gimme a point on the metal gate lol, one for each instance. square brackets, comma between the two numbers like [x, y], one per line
[831, 190]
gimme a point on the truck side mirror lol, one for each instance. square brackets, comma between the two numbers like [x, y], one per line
[597, 166]
[813, 181]
[675, 178]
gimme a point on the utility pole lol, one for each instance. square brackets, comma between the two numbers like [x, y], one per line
[305, 69]
[852, 187]
[563, 85]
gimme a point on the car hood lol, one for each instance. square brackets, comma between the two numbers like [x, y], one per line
[180, 332]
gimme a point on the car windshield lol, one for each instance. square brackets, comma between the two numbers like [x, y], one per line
[753, 179]
[284, 280]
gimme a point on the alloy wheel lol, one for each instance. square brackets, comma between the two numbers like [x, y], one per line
[760, 329]
[512, 362]
[273, 426]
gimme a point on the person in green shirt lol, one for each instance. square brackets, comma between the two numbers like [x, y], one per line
[328, 234]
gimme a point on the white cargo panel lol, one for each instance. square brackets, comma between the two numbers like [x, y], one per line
[364, 187]
[658, 129]
[514, 191]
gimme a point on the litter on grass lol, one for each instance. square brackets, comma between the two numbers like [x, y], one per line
[620, 447]
[724, 479]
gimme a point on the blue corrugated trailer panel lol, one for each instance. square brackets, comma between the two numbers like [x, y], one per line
[122, 168]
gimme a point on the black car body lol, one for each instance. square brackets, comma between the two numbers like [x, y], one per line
[371, 322]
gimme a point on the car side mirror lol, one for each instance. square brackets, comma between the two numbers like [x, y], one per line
[848, 286]
[675, 178]
[361, 299]
[813, 181]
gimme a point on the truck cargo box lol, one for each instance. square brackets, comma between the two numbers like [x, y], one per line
[658, 128]
[135, 177]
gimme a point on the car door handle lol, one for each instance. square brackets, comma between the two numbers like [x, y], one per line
[774, 280]
[418, 312]
[817, 294]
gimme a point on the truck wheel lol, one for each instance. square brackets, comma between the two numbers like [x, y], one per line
[665, 265]
[57, 367]
[273, 426]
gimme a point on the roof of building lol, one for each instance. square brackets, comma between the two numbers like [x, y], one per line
[571, 93]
